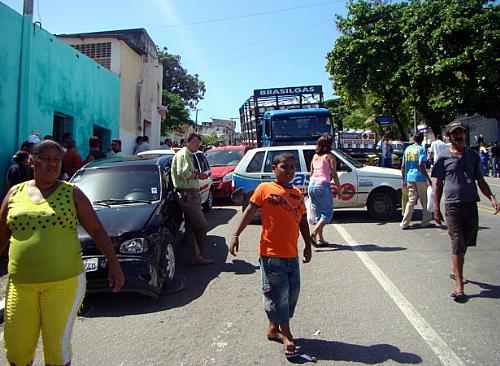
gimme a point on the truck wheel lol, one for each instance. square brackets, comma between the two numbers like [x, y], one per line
[381, 206]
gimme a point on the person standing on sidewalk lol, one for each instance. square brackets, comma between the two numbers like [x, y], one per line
[185, 180]
[458, 169]
[38, 222]
[323, 171]
[495, 159]
[415, 180]
[283, 216]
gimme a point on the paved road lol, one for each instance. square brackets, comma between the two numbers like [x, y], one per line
[377, 295]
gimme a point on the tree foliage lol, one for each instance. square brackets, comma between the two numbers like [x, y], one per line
[438, 58]
[181, 90]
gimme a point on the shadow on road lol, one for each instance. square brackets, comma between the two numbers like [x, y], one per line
[221, 217]
[198, 278]
[340, 351]
[360, 247]
[350, 216]
[488, 291]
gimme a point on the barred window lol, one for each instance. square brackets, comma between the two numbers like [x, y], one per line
[99, 52]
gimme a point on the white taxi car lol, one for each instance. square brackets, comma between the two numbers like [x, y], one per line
[201, 165]
[378, 189]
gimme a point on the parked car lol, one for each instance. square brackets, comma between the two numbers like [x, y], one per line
[134, 199]
[378, 189]
[222, 162]
[201, 165]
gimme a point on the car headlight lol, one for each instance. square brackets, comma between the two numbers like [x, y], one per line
[227, 177]
[134, 246]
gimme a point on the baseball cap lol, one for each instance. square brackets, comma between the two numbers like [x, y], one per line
[454, 125]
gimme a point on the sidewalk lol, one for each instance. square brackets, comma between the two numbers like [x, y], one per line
[3, 285]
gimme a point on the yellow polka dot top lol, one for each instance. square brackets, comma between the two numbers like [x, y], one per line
[44, 245]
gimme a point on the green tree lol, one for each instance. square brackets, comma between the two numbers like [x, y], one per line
[177, 114]
[366, 62]
[210, 139]
[177, 80]
[181, 91]
[454, 64]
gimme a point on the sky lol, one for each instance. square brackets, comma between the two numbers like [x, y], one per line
[234, 46]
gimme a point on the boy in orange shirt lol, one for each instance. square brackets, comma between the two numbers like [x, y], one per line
[283, 215]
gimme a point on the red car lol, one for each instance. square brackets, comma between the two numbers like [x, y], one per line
[222, 162]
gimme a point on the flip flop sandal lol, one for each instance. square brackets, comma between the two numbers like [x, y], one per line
[458, 296]
[292, 351]
[464, 280]
[322, 244]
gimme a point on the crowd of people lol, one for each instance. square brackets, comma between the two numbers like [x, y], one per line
[41, 210]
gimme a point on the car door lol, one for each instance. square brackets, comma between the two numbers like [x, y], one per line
[202, 166]
[347, 177]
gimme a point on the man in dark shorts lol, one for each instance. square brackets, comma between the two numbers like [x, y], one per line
[460, 167]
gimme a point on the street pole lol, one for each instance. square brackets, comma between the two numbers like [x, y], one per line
[196, 118]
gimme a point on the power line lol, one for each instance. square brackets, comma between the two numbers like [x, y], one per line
[247, 45]
[243, 59]
[250, 15]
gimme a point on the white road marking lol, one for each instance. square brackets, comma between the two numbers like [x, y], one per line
[428, 334]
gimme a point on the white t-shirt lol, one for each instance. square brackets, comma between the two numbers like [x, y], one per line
[437, 147]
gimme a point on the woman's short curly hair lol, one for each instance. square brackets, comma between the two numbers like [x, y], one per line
[324, 145]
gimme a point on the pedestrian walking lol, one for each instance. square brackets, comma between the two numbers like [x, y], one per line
[186, 183]
[386, 155]
[38, 222]
[458, 169]
[283, 216]
[415, 180]
[495, 159]
[437, 146]
[485, 158]
[323, 171]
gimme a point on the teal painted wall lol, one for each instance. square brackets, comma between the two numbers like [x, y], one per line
[62, 80]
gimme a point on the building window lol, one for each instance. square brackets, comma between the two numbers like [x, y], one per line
[99, 52]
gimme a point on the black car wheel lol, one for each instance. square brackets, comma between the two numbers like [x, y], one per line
[381, 206]
[168, 264]
[207, 206]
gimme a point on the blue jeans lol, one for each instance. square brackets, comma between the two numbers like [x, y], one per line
[485, 168]
[322, 199]
[280, 279]
[495, 165]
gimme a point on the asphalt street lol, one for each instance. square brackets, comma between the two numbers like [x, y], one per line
[376, 295]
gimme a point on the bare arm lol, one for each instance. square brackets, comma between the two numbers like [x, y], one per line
[485, 189]
[306, 235]
[333, 167]
[438, 192]
[247, 217]
[421, 166]
[5, 232]
[91, 223]
[403, 173]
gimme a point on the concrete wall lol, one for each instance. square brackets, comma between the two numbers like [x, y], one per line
[61, 80]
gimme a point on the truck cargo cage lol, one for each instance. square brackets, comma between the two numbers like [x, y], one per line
[263, 100]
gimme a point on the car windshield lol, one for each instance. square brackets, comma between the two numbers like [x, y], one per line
[224, 157]
[300, 127]
[120, 184]
[352, 161]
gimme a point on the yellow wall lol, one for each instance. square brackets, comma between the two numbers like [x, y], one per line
[130, 73]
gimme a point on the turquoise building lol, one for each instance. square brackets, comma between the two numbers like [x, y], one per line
[48, 86]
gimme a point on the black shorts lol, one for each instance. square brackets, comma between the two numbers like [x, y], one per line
[462, 221]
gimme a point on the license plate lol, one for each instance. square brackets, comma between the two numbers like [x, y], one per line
[91, 264]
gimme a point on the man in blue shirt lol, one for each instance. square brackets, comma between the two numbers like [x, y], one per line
[415, 180]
